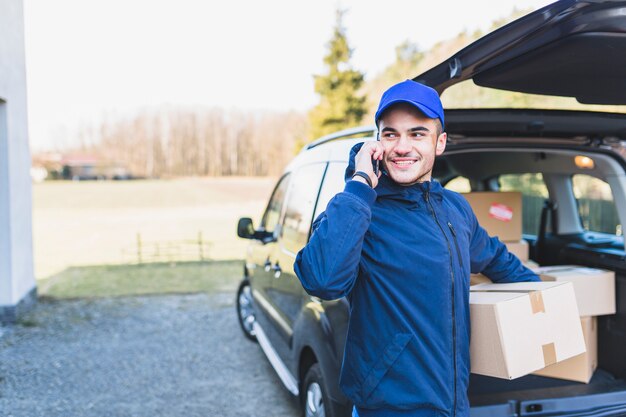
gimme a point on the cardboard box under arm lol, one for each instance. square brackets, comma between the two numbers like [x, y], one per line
[581, 367]
[519, 328]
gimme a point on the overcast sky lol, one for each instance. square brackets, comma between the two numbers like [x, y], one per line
[89, 59]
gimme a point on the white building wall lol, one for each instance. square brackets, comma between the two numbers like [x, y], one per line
[17, 282]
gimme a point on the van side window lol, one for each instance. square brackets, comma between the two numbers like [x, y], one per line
[301, 201]
[595, 205]
[272, 213]
[534, 193]
[459, 185]
[334, 183]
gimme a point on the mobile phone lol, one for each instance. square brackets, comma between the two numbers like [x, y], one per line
[375, 163]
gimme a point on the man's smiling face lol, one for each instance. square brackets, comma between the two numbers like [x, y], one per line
[411, 142]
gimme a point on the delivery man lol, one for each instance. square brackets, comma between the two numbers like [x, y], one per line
[401, 248]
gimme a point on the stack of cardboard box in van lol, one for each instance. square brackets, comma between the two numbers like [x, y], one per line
[509, 342]
[500, 214]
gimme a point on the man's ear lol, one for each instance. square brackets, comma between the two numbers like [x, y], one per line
[440, 146]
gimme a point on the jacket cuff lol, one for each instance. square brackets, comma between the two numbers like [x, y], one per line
[361, 190]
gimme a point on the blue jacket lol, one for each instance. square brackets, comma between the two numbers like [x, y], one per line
[403, 256]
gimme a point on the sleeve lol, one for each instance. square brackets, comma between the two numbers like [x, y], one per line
[490, 257]
[328, 265]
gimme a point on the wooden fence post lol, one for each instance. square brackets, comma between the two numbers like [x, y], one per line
[138, 248]
[200, 246]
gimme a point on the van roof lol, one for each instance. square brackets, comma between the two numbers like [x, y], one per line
[335, 147]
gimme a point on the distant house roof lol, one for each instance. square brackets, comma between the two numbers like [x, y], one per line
[79, 159]
[56, 160]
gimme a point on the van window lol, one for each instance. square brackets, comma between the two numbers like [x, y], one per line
[274, 208]
[595, 205]
[301, 200]
[459, 185]
[334, 183]
[534, 193]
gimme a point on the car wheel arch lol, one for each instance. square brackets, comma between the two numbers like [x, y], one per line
[307, 359]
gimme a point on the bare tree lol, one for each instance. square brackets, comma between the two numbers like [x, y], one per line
[176, 142]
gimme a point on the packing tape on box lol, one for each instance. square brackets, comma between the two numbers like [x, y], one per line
[549, 354]
[536, 302]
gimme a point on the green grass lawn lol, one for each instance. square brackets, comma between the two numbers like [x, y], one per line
[156, 278]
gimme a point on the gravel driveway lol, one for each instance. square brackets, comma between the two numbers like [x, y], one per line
[174, 355]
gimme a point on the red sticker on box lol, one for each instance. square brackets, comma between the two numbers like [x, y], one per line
[501, 212]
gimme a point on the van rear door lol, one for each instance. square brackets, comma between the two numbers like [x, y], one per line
[569, 48]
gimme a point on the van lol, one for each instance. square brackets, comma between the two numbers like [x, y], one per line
[569, 166]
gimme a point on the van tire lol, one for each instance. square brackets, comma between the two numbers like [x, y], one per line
[315, 395]
[245, 310]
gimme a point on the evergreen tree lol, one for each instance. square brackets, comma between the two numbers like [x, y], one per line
[408, 58]
[340, 106]
[408, 61]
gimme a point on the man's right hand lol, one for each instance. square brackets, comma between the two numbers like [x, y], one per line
[363, 162]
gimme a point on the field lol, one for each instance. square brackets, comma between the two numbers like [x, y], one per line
[145, 279]
[100, 223]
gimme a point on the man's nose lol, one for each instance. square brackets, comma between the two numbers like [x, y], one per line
[403, 145]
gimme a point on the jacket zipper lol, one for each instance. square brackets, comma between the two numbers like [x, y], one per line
[432, 212]
[456, 243]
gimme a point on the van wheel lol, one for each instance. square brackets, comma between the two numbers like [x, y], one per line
[315, 399]
[245, 310]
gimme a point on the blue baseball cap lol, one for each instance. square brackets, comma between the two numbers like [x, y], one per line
[419, 95]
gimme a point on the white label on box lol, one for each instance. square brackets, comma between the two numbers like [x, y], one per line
[501, 212]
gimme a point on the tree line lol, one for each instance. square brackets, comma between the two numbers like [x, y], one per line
[211, 142]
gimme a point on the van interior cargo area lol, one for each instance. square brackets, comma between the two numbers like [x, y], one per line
[607, 387]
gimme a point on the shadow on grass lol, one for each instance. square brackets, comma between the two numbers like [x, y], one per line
[143, 279]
